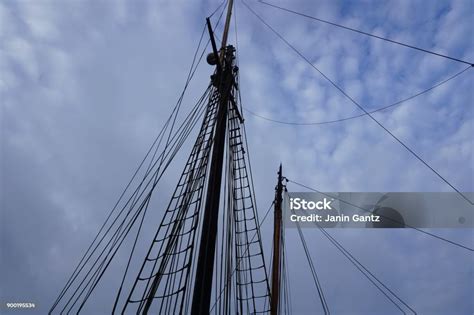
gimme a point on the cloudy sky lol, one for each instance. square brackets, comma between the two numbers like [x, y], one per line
[86, 86]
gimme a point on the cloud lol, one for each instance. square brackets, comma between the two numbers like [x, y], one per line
[85, 87]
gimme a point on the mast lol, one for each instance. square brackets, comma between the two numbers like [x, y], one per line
[226, 27]
[205, 264]
[177, 263]
[276, 279]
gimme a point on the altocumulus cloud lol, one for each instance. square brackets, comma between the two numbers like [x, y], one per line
[85, 86]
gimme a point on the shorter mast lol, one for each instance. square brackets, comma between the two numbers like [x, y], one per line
[276, 263]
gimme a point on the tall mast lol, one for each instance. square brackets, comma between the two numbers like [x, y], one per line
[205, 264]
[276, 263]
[181, 256]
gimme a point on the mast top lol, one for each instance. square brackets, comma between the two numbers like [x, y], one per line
[230, 4]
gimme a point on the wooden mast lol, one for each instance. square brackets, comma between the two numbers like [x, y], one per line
[276, 263]
[226, 27]
[205, 264]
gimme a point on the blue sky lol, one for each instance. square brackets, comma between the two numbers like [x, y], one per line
[85, 86]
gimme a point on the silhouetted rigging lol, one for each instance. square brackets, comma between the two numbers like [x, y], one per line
[208, 246]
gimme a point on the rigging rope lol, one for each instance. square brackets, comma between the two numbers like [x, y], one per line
[190, 74]
[178, 142]
[238, 261]
[178, 137]
[367, 34]
[313, 271]
[367, 272]
[217, 9]
[413, 153]
[169, 242]
[118, 234]
[325, 122]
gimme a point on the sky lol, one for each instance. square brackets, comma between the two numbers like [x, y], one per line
[86, 86]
